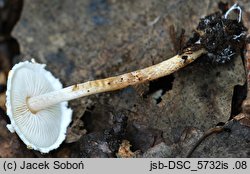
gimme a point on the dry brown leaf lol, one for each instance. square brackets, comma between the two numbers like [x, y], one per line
[124, 150]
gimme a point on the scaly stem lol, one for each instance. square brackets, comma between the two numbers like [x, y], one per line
[164, 68]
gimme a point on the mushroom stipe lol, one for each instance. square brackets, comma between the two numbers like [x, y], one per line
[37, 103]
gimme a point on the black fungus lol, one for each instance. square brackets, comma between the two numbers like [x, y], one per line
[222, 38]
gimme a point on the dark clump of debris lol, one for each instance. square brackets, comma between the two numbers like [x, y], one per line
[104, 144]
[223, 38]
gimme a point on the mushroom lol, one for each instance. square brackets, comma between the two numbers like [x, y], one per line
[36, 101]
[42, 130]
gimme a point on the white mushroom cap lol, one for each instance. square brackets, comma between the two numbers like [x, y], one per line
[44, 130]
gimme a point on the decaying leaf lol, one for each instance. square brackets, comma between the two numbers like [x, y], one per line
[124, 150]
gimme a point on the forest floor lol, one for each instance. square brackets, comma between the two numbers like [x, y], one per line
[85, 40]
